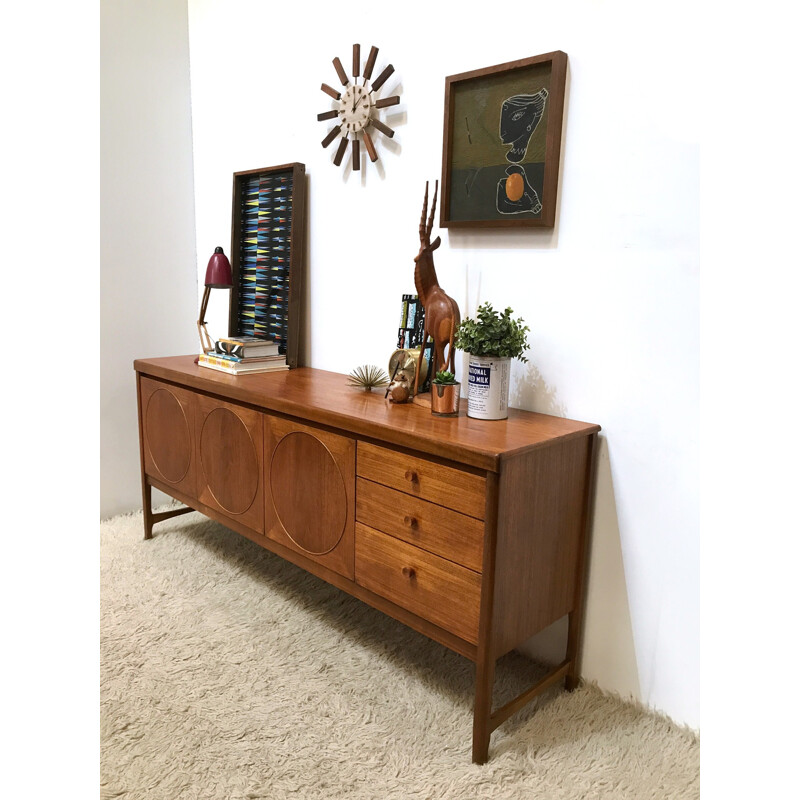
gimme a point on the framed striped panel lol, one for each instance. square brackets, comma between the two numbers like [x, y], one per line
[267, 255]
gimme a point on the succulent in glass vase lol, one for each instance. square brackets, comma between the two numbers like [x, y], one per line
[445, 394]
[445, 378]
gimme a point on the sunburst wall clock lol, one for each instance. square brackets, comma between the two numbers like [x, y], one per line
[357, 108]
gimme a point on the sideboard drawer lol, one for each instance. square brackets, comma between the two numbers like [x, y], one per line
[430, 587]
[447, 486]
[438, 530]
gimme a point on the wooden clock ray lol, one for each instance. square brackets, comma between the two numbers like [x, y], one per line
[357, 107]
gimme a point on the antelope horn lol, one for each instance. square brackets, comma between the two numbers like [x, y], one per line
[433, 210]
[422, 218]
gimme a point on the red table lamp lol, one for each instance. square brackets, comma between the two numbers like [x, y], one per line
[218, 276]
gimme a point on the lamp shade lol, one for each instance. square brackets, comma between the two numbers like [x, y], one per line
[218, 271]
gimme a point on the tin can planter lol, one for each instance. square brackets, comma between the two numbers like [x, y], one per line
[445, 398]
[489, 381]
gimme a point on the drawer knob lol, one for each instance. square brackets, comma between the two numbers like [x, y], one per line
[410, 521]
[409, 572]
[412, 476]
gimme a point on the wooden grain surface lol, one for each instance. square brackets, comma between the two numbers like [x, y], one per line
[419, 477]
[309, 492]
[310, 502]
[439, 494]
[540, 526]
[433, 588]
[167, 429]
[326, 398]
[439, 530]
[230, 470]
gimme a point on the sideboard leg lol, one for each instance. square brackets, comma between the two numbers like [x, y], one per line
[575, 634]
[147, 508]
[573, 640]
[481, 719]
[147, 505]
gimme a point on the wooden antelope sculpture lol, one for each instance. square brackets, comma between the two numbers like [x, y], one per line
[442, 316]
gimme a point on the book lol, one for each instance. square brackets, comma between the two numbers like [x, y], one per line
[239, 367]
[411, 332]
[249, 359]
[412, 322]
[247, 346]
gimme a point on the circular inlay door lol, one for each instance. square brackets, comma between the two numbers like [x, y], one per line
[308, 492]
[168, 435]
[229, 461]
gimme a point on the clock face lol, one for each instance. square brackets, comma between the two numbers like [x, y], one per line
[357, 108]
[354, 109]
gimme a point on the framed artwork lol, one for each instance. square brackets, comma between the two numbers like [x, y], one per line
[502, 144]
[267, 255]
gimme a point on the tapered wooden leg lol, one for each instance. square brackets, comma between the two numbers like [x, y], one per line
[481, 719]
[573, 649]
[575, 633]
[485, 662]
[147, 503]
[147, 508]
[150, 518]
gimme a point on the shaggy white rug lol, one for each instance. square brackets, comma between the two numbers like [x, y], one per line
[228, 673]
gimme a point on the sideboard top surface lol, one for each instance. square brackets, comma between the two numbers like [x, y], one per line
[327, 398]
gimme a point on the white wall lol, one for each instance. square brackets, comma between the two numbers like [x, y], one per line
[611, 294]
[147, 249]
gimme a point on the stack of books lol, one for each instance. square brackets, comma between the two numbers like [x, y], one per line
[238, 355]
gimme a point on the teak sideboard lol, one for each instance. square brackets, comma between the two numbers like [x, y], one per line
[472, 532]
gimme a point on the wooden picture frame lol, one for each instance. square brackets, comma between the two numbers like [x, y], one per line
[502, 144]
[268, 255]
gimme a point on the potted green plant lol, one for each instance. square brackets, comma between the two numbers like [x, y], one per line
[491, 339]
[445, 394]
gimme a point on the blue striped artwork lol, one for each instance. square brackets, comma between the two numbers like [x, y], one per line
[266, 224]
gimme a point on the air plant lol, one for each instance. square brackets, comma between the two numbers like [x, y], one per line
[368, 377]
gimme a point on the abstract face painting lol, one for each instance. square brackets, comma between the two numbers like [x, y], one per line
[519, 117]
[502, 142]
